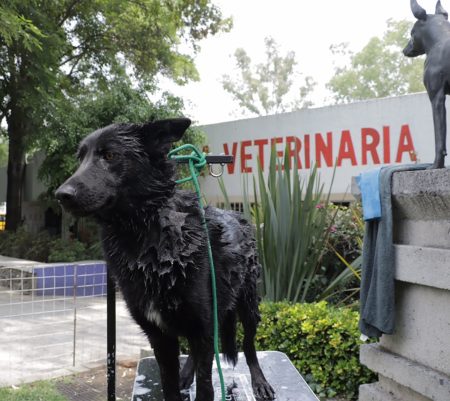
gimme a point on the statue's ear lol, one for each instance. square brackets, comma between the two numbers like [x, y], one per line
[166, 131]
[440, 9]
[418, 11]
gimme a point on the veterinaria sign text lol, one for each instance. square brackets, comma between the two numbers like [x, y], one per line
[342, 140]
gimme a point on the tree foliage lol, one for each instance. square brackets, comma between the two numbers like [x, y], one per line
[380, 69]
[3, 153]
[50, 50]
[117, 101]
[269, 87]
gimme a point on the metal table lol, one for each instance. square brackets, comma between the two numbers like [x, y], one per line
[288, 384]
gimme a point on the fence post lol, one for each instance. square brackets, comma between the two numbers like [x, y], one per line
[111, 335]
[75, 289]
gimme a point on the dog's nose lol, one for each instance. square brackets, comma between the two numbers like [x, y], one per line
[65, 194]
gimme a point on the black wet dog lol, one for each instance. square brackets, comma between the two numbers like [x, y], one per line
[155, 247]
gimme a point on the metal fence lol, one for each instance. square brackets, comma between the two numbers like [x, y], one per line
[53, 321]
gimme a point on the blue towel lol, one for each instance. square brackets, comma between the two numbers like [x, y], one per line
[369, 184]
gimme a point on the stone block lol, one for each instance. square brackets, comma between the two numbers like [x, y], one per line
[423, 266]
[424, 381]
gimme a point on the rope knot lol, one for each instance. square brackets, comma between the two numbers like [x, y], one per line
[196, 160]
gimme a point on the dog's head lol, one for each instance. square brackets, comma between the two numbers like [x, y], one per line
[427, 28]
[122, 162]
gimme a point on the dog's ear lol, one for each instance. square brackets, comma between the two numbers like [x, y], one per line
[166, 131]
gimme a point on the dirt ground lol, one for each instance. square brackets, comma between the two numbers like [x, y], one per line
[91, 385]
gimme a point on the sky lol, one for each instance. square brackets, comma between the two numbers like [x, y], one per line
[306, 27]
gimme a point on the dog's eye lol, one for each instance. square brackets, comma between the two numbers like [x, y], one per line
[109, 156]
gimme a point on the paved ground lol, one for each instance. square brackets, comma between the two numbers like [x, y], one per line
[41, 345]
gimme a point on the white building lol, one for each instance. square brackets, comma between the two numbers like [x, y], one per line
[354, 138]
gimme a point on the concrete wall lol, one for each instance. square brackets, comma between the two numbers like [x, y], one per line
[414, 363]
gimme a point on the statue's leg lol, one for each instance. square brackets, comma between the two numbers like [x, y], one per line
[440, 128]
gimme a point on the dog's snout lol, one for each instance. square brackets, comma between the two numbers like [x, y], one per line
[65, 194]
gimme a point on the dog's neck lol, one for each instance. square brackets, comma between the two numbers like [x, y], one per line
[432, 37]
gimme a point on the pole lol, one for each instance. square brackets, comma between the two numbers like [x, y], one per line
[111, 335]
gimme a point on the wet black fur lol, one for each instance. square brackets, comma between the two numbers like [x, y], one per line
[155, 247]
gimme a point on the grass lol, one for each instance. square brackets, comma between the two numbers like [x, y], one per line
[39, 391]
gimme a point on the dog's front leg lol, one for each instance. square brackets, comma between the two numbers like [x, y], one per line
[166, 351]
[202, 351]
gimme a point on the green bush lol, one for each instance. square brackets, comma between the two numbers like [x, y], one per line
[322, 342]
[338, 278]
[67, 251]
[345, 237]
[292, 229]
[42, 247]
[22, 244]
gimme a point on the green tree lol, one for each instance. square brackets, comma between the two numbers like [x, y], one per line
[112, 102]
[380, 69]
[51, 49]
[3, 153]
[268, 87]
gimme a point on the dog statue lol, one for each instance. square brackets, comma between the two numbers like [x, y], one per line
[430, 35]
[155, 248]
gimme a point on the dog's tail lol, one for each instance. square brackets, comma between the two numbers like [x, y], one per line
[228, 338]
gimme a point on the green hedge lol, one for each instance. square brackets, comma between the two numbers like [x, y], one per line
[42, 247]
[322, 342]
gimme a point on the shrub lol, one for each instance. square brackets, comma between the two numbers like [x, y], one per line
[22, 244]
[67, 251]
[42, 247]
[339, 276]
[292, 228]
[322, 342]
[345, 237]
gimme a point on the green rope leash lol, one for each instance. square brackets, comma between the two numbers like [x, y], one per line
[197, 161]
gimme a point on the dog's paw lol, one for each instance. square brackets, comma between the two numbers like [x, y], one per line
[263, 391]
[186, 381]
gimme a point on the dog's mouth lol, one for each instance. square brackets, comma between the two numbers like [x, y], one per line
[79, 210]
[75, 210]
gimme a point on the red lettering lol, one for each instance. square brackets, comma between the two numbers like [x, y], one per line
[231, 166]
[325, 150]
[370, 147]
[405, 144]
[245, 156]
[346, 149]
[294, 152]
[261, 143]
[307, 148]
[279, 153]
[386, 144]
[273, 144]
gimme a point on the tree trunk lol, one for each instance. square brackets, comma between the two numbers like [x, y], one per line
[16, 173]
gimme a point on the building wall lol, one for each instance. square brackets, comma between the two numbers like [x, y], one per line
[354, 138]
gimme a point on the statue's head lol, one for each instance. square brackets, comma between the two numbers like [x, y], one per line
[423, 28]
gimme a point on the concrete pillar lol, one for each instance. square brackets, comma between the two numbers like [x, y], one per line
[414, 363]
